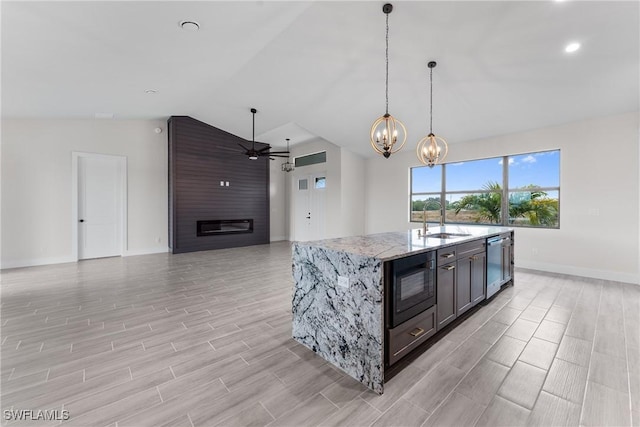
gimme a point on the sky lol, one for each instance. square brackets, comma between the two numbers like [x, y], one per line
[541, 169]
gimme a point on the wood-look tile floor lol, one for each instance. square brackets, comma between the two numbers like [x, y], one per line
[205, 339]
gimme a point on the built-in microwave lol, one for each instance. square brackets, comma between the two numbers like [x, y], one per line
[412, 286]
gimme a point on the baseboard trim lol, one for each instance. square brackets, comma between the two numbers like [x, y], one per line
[578, 271]
[147, 251]
[277, 238]
[35, 262]
[5, 265]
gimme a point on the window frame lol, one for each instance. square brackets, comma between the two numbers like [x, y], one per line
[506, 190]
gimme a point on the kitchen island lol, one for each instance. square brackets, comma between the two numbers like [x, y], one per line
[340, 310]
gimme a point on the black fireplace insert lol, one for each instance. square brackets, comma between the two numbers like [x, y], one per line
[224, 226]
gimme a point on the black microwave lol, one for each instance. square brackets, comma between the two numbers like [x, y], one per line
[412, 286]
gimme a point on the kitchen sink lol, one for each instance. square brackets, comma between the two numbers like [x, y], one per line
[446, 235]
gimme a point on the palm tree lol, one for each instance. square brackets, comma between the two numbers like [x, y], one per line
[488, 205]
[534, 205]
[530, 203]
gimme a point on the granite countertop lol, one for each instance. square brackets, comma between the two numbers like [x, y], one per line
[392, 245]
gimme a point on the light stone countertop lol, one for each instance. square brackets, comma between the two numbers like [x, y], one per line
[393, 245]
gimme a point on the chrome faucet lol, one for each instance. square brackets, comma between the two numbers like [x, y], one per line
[425, 227]
[441, 210]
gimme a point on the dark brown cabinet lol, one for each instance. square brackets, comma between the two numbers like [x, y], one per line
[463, 288]
[462, 280]
[471, 275]
[446, 294]
[411, 334]
[478, 277]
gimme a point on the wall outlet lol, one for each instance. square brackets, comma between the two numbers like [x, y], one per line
[534, 251]
[221, 183]
[158, 239]
[343, 282]
[226, 183]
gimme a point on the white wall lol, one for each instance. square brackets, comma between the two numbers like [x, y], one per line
[599, 168]
[36, 184]
[278, 197]
[353, 187]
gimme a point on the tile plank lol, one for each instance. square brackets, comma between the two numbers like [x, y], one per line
[551, 410]
[522, 384]
[402, 413]
[566, 380]
[604, 406]
[503, 413]
[434, 388]
[539, 353]
[457, 410]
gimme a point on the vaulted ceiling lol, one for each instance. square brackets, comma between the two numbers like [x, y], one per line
[316, 69]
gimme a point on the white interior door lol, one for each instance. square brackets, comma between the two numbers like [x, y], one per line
[100, 206]
[309, 211]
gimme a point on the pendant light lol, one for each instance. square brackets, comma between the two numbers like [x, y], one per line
[388, 134]
[287, 166]
[431, 149]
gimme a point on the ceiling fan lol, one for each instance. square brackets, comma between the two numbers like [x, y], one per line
[252, 153]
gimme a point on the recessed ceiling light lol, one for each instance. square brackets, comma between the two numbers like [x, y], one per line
[151, 91]
[189, 25]
[572, 47]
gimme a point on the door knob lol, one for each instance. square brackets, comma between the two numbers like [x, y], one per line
[82, 220]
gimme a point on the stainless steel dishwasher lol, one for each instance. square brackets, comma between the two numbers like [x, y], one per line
[495, 265]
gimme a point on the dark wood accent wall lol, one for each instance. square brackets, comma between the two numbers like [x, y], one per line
[200, 156]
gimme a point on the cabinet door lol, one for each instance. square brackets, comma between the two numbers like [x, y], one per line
[464, 277]
[478, 277]
[446, 294]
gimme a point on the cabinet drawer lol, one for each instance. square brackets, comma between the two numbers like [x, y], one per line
[471, 248]
[446, 255]
[410, 334]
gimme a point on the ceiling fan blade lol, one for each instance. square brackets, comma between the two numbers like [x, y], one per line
[245, 148]
[278, 155]
[264, 149]
[279, 152]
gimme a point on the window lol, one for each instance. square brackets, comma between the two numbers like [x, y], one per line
[473, 193]
[534, 189]
[310, 159]
[519, 190]
[427, 185]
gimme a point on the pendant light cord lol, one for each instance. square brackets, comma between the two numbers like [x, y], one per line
[386, 81]
[253, 132]
[431, 100]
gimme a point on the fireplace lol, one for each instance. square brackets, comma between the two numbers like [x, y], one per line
[224, 226]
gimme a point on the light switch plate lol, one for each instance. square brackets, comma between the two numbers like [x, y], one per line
[343, 282]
